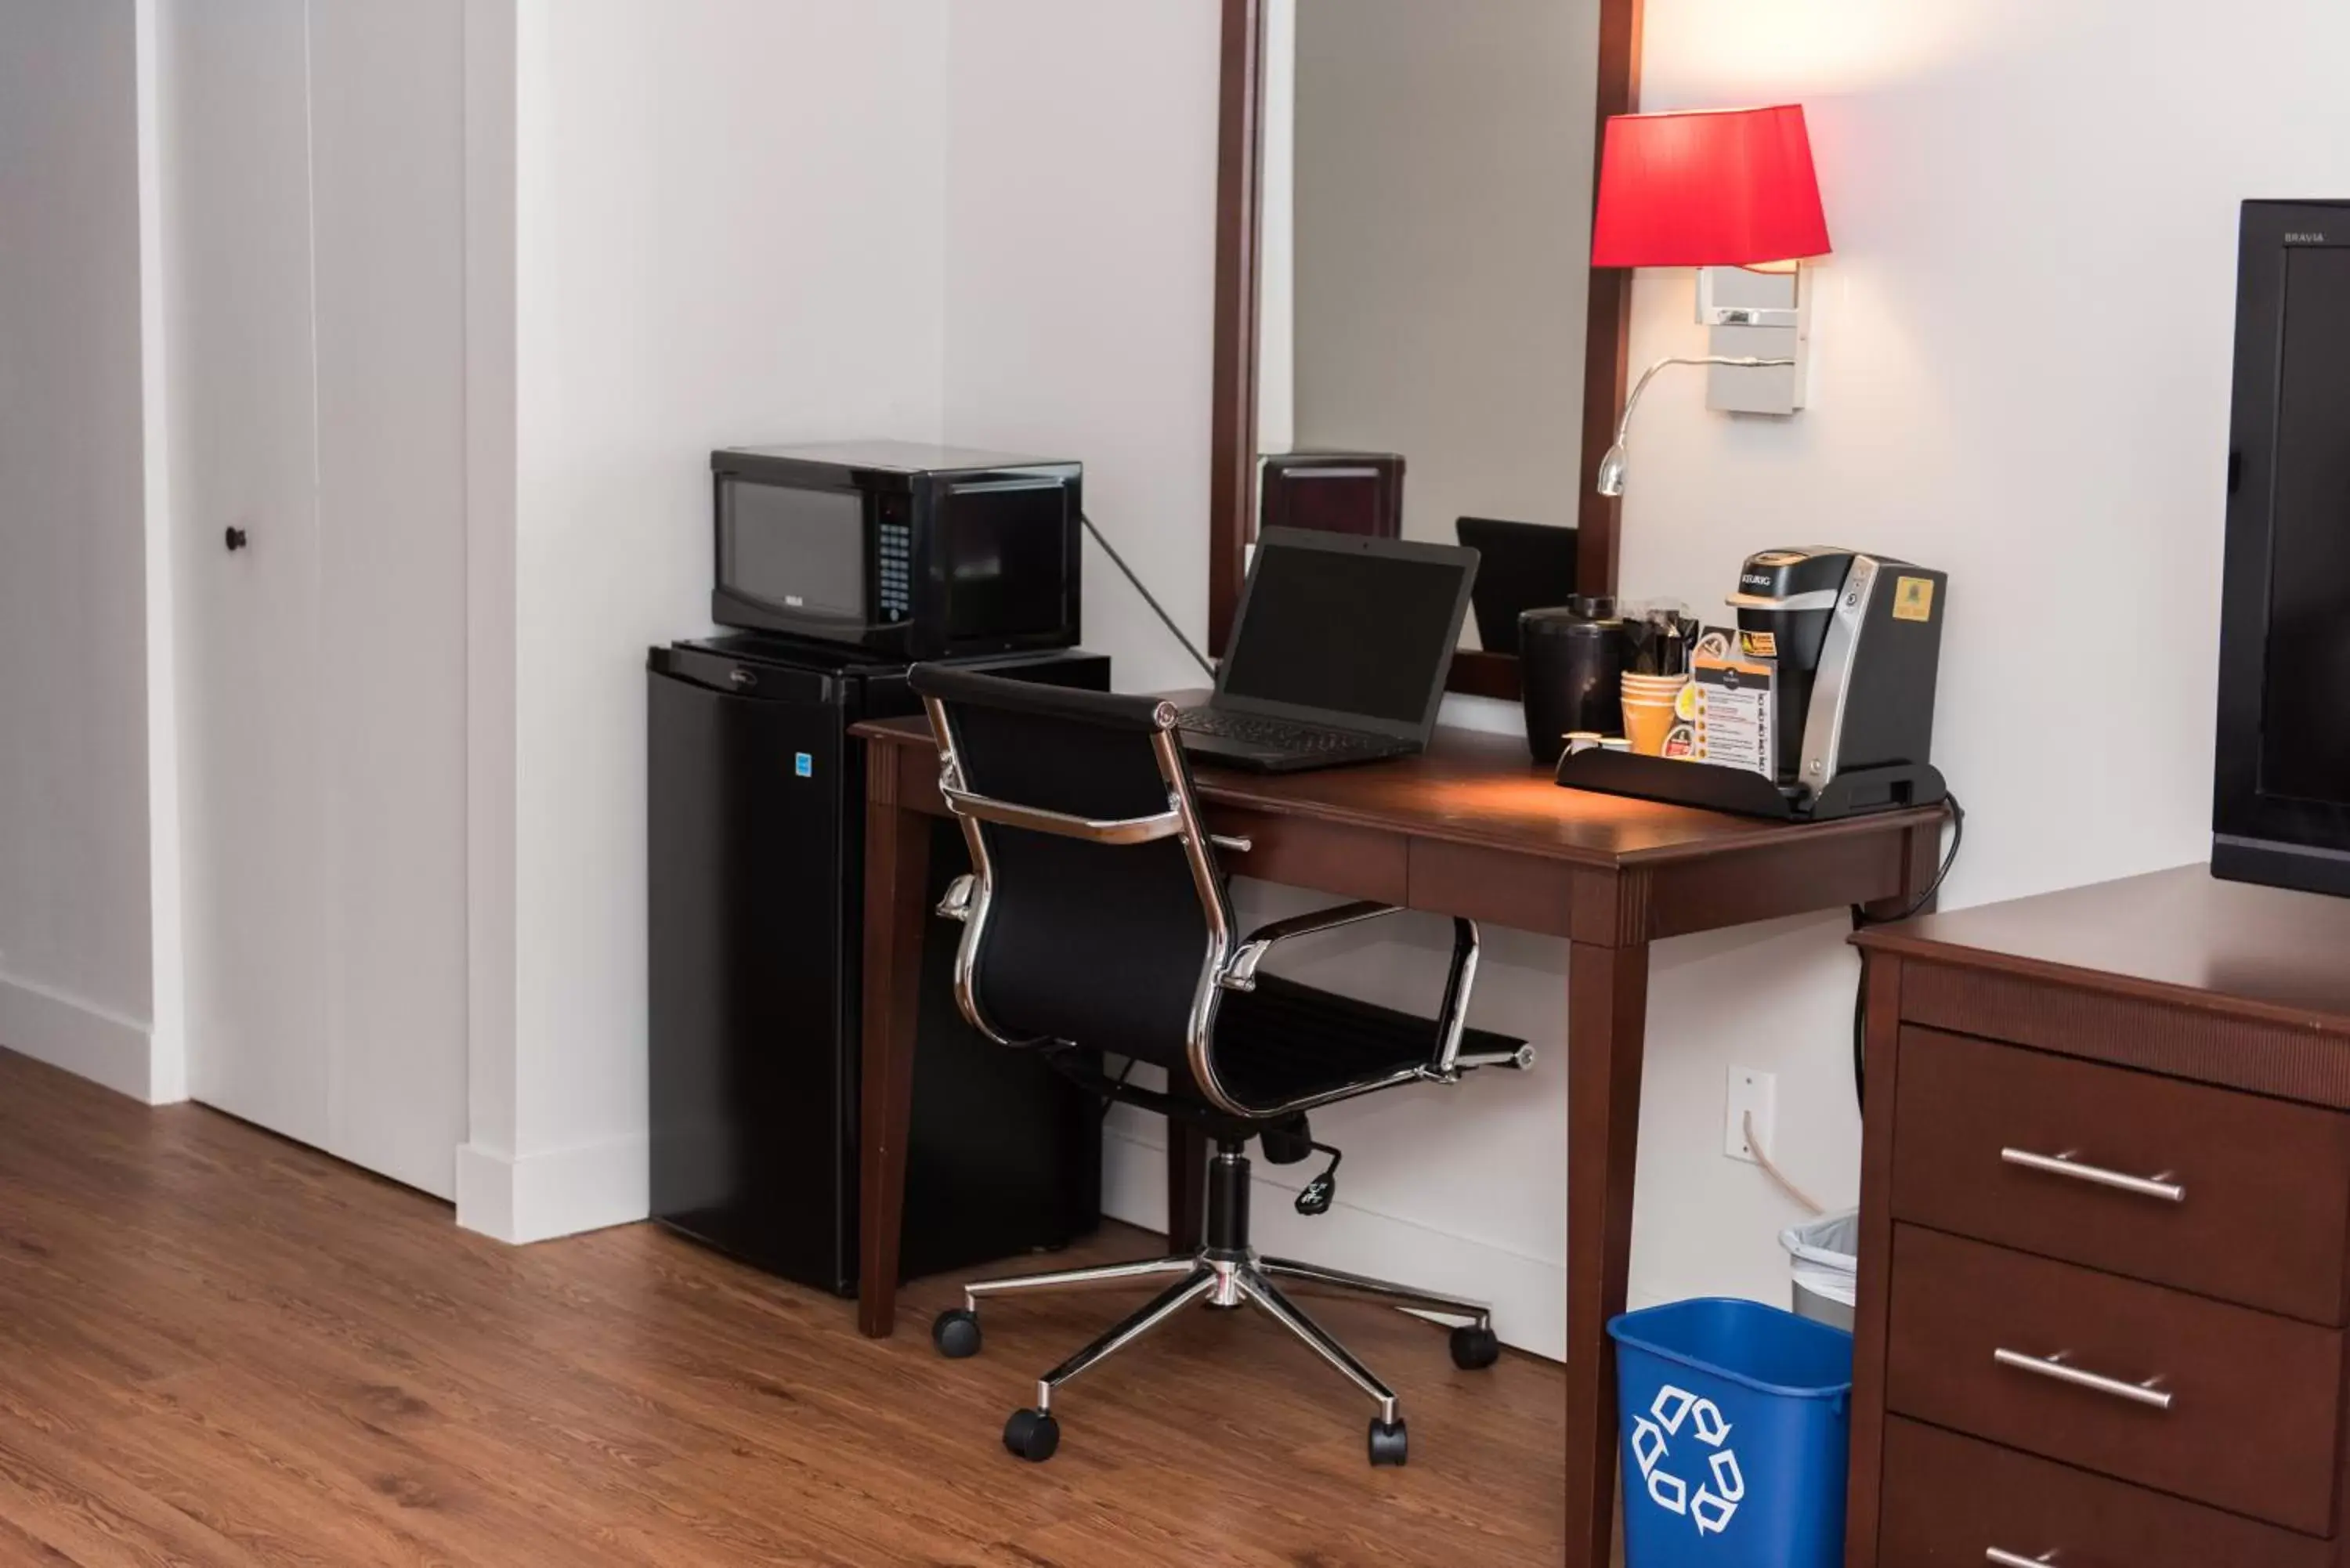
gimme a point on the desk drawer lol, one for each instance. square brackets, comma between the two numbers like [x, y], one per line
[1951, 1502]
[1328, 856]
[2262, 1204]
[2251, 1422]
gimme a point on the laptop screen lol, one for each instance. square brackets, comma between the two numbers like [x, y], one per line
[1364, 628]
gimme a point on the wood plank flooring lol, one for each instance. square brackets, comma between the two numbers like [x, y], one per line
[220, 1347]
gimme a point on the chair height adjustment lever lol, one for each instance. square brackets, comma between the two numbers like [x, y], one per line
[1316, 1196]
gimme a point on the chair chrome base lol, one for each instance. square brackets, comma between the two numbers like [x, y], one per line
[1231, 1278]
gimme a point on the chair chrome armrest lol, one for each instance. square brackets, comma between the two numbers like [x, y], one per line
[956, 905]
[1239, 972]
[1446, 1067]
[1444, 1062]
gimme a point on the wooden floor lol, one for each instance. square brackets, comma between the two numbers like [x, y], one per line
[219, 1347]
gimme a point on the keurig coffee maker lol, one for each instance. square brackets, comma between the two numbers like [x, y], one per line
[1832, 675]
[1855, 640]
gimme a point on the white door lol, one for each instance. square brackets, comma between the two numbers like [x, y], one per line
[313, 184]
[232, 83]
[389, 198]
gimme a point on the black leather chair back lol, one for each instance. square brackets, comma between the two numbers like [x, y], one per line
[1101, 944]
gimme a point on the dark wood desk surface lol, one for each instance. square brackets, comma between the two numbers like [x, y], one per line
[2180, 935]
[1470, 829]
[2135, 972]
[1475, 787]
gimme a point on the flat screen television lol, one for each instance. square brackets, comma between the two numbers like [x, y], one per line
[2280, 804]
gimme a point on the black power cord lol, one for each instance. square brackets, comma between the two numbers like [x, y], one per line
[1168, 620]
[1109, 1100]
[1862, 919]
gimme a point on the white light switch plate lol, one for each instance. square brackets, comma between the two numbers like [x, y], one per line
[1749, 1090]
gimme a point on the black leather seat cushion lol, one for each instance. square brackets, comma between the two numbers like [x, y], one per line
[1285, 1041]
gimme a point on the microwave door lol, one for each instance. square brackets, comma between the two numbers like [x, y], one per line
[800, 552]
[1006, 558]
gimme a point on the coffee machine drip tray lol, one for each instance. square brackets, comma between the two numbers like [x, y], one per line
[1854, 792]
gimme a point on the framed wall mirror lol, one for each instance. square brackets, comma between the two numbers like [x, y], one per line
[1409, 332]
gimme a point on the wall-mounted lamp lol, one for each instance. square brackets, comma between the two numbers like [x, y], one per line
[1732, 193]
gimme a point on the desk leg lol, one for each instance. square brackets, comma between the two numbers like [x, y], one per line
[1608, 1004]
[1186, 1186]
[897, 873]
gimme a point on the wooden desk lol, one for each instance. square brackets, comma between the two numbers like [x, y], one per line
[1470, 829]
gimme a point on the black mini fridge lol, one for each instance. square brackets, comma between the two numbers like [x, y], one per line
[757, 843]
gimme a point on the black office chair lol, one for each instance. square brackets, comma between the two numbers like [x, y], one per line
[1097, 921]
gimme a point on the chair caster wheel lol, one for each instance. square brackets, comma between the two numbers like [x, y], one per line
[1473, 1348]
[1390, 1443]
[1033, 1435]
[956, 1333]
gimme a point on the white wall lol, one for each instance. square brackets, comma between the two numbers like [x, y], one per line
[1078, 269]
[2021, 375]
[728, 219]
[75, 917]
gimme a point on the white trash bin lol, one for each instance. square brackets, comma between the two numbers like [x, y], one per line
[1825, 1256]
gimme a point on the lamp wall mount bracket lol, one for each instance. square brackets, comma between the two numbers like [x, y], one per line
[1755, 315]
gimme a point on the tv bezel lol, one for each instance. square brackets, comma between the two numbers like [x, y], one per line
[2258, 837]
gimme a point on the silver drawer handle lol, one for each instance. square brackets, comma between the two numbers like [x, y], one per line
[1231, 841]
[2060, 1367]
[2017, 1559]
[2069, 1163]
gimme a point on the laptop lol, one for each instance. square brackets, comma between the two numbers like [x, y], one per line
[1338, 653]
[1528, 566]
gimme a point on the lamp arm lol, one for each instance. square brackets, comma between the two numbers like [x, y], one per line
[1611, 465]
[1736, 362]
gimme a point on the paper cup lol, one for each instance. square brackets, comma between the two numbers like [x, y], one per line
[1646, 725]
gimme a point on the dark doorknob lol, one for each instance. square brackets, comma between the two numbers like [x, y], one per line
[237, 539]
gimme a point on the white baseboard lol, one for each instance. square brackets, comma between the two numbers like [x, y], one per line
[1528, 1295]
[79, 1036]
[538, 1197]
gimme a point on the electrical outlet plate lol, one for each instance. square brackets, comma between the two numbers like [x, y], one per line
[1749, 1090]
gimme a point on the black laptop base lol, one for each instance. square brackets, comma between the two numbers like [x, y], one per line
[1223, 752]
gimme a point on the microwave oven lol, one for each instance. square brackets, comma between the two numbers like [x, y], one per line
[908, 550]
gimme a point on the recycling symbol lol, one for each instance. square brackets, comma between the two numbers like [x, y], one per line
[1716, 1498]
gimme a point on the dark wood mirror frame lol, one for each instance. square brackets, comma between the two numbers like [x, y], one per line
[1231, 485]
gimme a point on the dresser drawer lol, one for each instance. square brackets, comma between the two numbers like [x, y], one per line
[2254, 1205]
[1952, 1502]
[2252, 1417]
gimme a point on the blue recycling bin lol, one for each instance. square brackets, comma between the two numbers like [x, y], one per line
[1737, 1419]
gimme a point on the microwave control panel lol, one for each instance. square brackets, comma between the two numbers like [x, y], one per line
[895, 542]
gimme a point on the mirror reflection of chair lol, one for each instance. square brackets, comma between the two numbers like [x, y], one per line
[1098, 920]
[1519, 566]
[1335, 492]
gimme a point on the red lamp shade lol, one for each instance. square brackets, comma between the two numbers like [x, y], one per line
[1726, 188]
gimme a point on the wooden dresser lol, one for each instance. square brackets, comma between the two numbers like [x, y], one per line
[2104, 1261]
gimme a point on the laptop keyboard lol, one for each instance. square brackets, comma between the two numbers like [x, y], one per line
[1284, 734]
